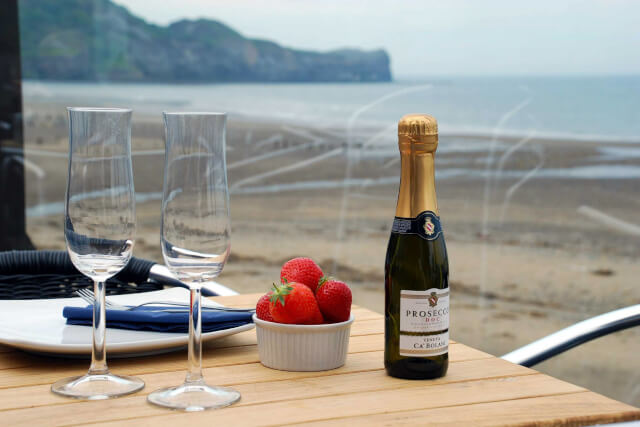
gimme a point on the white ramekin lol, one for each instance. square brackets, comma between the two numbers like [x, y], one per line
[302, 347]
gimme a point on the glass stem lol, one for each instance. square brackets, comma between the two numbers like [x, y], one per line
[195, 337]
[99, 354]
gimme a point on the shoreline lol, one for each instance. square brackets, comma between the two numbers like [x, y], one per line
[148, 106]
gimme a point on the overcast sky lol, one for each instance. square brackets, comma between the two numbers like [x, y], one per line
[425, 37]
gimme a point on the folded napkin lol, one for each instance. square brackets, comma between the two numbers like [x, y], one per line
[148, 318]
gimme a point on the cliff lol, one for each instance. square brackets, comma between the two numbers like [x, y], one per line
[97, 40]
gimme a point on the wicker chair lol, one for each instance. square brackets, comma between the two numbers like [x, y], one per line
[50, 274]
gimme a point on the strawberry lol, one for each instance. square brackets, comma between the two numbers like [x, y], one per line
[301, 270]
[334, 299]
[294, 302]
[263, 309]
[318, 319]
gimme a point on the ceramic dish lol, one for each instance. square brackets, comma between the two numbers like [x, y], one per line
[302, 347]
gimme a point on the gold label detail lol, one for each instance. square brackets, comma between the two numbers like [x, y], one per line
[429, 228]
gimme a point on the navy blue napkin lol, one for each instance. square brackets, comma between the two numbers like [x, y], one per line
[150, 319]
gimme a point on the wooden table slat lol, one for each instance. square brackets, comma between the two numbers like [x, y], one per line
[373, 402]
[586, 408]
[255, 377]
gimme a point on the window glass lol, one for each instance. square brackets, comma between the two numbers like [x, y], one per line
[537, 169]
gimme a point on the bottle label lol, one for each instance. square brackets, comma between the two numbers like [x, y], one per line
[426, 225]
[424, 345]
[424, 311]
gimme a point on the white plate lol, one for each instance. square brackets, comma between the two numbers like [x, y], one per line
[38, 326]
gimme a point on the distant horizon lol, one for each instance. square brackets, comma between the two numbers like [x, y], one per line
[423, 77]
[396, 79]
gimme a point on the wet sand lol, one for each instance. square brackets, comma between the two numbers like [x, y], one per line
[532, 247]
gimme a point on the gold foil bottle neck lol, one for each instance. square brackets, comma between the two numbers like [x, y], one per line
[418, 132]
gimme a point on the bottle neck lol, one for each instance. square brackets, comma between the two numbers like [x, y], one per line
[417, 184]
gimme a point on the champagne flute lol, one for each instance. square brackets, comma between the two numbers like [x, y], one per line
[99, 229]
[195, 237]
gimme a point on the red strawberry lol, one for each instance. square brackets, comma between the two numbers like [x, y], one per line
[317, 319]
[301, 270]
[334, 299]
[294, 303]
[263, 309]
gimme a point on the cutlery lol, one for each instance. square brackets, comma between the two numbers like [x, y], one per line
[88, 296]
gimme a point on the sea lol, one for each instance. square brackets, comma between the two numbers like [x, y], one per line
[568, 108]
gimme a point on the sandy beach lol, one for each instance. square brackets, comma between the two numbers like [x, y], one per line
[541, 233]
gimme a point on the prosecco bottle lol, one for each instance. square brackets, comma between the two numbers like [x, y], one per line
[416, 266]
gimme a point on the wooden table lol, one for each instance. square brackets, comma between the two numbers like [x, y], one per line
[479, 389]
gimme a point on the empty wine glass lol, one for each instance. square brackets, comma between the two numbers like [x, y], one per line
[195, 237]
[99, 229]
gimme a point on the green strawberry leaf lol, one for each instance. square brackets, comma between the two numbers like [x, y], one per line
[322, 281]
[279, 293]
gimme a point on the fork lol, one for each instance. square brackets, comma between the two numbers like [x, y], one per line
[88, 296]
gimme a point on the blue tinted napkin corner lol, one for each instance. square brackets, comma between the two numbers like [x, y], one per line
[150, 319]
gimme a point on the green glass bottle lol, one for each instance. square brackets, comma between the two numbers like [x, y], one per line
[416, 266]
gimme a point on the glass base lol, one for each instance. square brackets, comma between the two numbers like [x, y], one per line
[195, 396]
[97, 386]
